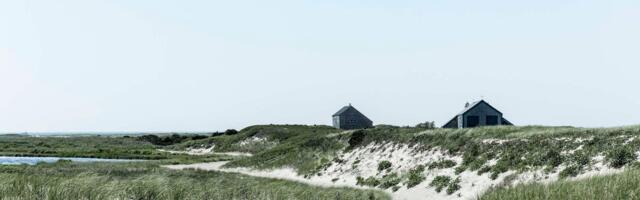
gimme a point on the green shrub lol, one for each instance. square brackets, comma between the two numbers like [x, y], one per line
[230, 132]
[440, 182]
[453, 186]
[415, 176]
[371, 181]
[483, 170]
[618, 157]
[356, 139]
[390, 180]
[580, 158]
[442, 164]
[553, 158]
[385, 164]
[570, 171]
[459, 169]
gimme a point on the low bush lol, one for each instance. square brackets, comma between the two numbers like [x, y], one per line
[483, 170]
[440, 182]
[620, 156]
[385, 164]
[442, 164]
[570, 171]
[453, 186]
[415, 176]
[230, 132]
[390, 180]
[356, 139]
[371, 181]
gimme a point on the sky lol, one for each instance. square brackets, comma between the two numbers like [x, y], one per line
[143, 65]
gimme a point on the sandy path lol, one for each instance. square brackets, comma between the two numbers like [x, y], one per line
[203, 151]
[282, 173]
[323, 181]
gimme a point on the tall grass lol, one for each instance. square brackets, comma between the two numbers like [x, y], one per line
[306, 152]
[149, 181]
[620, 186]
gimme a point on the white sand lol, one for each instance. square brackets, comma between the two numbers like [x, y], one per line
[283, 173]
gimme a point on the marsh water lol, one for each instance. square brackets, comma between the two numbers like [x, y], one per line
[5, 160]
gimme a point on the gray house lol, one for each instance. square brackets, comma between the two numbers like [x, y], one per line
[479, 113]
[349, 118]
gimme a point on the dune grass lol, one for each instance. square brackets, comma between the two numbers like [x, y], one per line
[311, 148]
[270, 136]
[519, 148]
[625, 185]
[147, 180]
[306, 152]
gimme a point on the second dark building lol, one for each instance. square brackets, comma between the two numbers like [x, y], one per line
[479, 113]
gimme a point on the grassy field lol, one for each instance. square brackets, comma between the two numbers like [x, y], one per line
[147, 180]
[116, 147]
[620, 186]
[93, 146]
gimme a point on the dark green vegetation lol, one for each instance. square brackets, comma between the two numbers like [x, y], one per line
[442, 164]
[147, 180]
[620, 186]
[440, 182]
[385, 164]
[415, 176]
[172, 139]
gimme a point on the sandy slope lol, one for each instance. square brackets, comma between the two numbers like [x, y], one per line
[363, 162]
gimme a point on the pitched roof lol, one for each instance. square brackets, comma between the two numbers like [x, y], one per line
[347, 108]
[474, 104]
[344, 109]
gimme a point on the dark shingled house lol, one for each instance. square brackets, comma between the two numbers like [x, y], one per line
[479, 113]
[349, 118]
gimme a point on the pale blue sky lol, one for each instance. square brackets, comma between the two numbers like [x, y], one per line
[124, 65]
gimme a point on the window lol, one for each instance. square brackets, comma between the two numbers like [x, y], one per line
[492, 120]
[473, 121]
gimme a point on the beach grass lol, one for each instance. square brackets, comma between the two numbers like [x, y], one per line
[625, 185]
[147, 180]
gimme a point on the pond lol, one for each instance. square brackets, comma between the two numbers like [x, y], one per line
[5, 160]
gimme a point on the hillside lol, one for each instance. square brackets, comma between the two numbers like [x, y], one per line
[414, 163]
